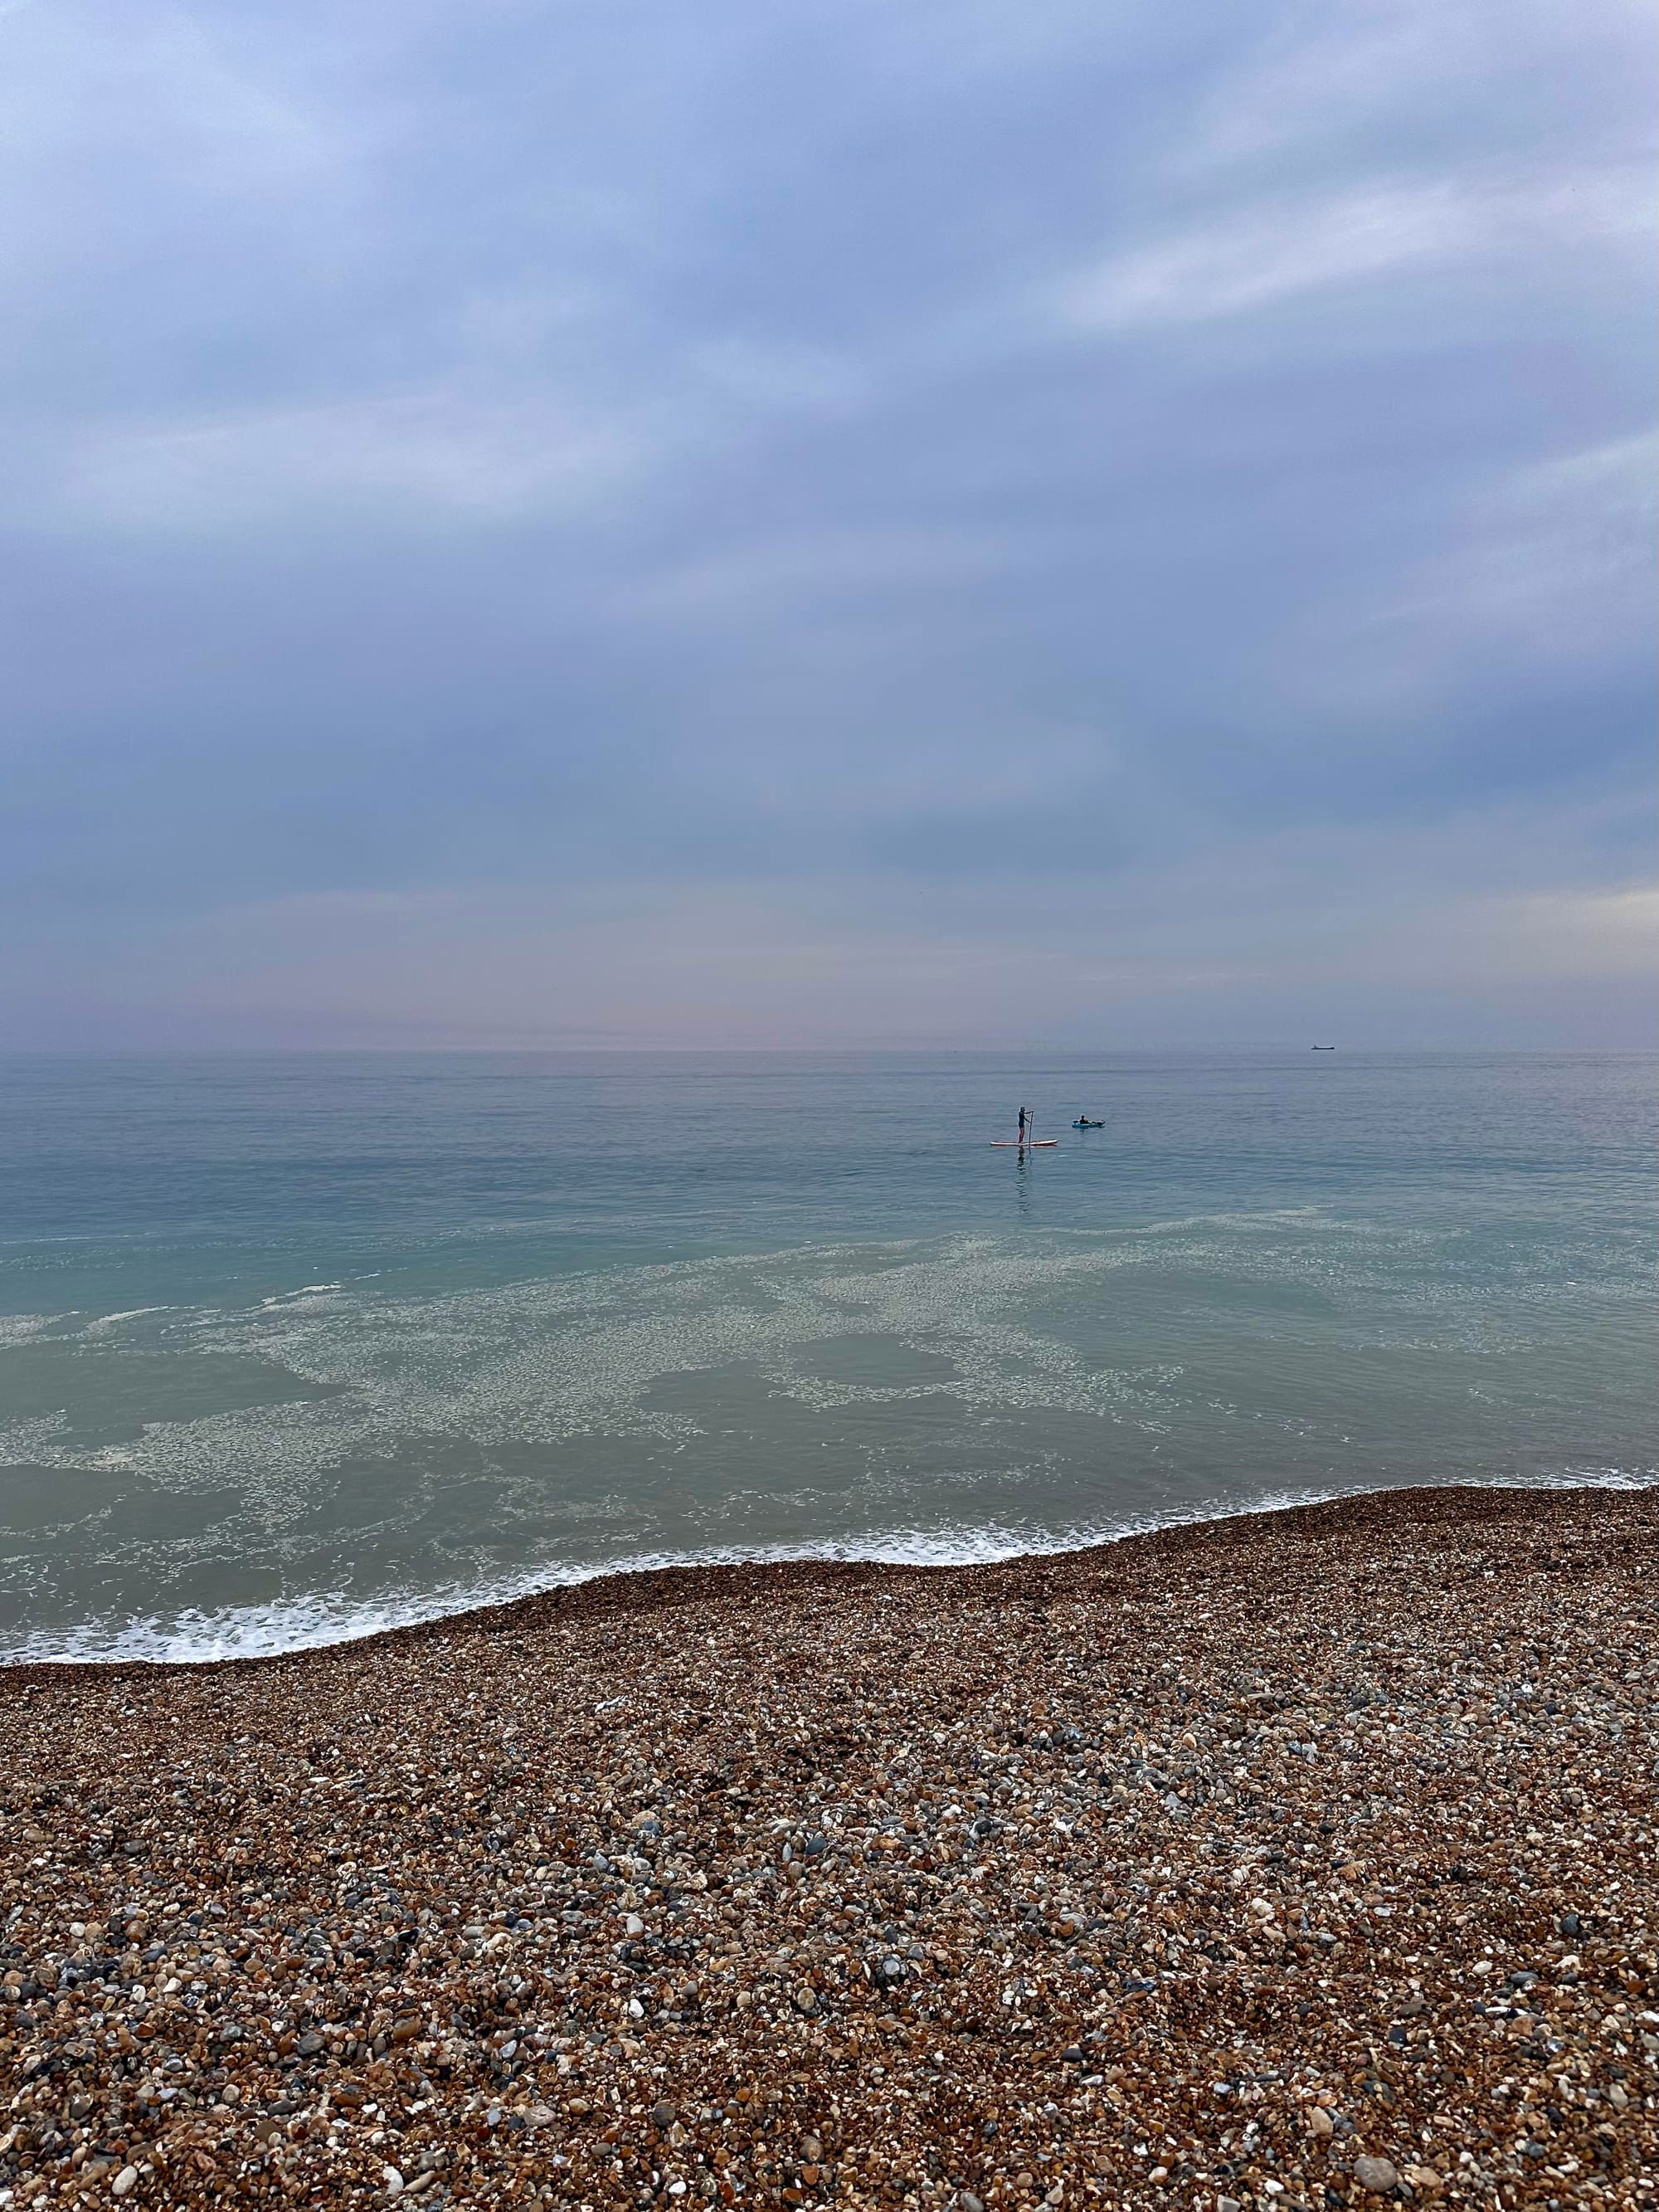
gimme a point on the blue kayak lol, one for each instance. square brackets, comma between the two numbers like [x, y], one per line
[1088, 1125]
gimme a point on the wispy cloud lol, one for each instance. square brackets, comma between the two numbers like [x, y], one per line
[1549, 567]
[1256, 260]
[437, 454]
[1560, 560]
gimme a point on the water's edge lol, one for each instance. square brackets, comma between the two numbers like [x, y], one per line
[264, 1636]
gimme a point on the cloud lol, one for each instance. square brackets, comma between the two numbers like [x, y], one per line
[436, 454]
[1588, 933]
[1365, 931]
[1550, 569]
[1561, 558]
[1454, 79]
[811, 574]
[1250, 262]
[528, 521]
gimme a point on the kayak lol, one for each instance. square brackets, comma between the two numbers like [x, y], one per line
[1088, 1125]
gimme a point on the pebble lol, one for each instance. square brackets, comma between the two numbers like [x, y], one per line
[1016, 1952]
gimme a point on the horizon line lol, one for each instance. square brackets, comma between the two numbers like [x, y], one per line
[778, 1051]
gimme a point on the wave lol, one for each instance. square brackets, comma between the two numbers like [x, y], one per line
[325, 1620]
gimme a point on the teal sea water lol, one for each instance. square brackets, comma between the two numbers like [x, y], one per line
[293, 1346]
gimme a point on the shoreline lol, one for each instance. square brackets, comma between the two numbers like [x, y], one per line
[1302, 1859]
[655, 1585]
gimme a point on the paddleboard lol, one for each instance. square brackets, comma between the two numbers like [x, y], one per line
[1032, 1145]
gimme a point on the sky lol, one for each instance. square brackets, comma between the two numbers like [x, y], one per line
[825, 523]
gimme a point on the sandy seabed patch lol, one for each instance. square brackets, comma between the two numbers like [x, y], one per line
[1301, 1860]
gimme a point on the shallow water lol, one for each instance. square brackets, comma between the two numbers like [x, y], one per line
[291, 1346]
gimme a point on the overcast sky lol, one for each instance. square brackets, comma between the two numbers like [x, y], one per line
[826, 522]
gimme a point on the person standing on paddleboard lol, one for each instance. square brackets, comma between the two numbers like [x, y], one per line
[1022, 1125]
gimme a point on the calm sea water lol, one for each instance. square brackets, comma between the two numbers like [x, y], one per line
[291, 1346]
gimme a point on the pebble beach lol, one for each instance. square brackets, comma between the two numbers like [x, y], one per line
[1302, 1859]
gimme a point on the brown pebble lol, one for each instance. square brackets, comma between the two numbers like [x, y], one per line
[1255, 1850]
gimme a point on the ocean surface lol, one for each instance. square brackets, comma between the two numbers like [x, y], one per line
[295, 1346]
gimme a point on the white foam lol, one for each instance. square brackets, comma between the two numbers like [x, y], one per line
[318, 1622]
[101, 1322]
[23, 1328]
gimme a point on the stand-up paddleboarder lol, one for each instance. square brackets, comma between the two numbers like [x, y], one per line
[1021, 1128]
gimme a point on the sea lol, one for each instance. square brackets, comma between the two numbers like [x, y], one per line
[295, 1348]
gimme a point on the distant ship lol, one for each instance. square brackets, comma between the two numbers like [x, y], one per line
[1324, 1047]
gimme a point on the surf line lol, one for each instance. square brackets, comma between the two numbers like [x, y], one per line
[1027, 1139]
